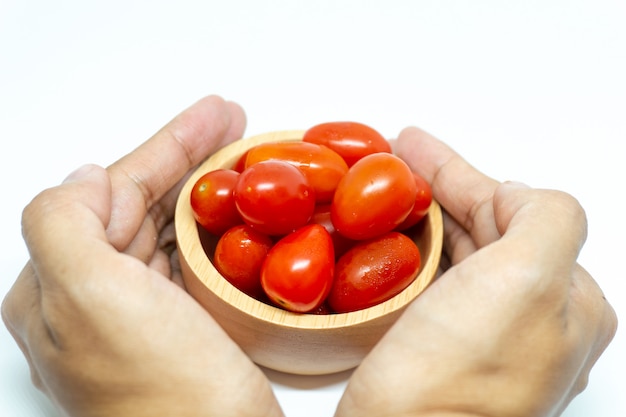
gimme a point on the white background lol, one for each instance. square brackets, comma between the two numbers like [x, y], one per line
[529, 90]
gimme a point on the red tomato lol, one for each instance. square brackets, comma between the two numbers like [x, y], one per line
[298, 271]
[213, 203]
[240, 164]
[322, 166]
[374, 271]
[351, 140]
[321, 310]
[374, 197]
[274, 197]
[423, 198]
[340, 242]
[239, 255]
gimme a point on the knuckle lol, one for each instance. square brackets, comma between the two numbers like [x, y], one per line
[570, 206]
[566, 211]
[40, 209]
[43, 202]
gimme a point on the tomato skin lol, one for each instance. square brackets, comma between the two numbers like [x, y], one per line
[240, 163]
[274, 197]
[322, 166]
[321, 216]
[423, 199]
[374, 271]
[238, 257]
[351, 140]
[374, 197]
[298, 271]
[213, 203]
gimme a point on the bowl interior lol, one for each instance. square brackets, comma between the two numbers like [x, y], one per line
[196, 247]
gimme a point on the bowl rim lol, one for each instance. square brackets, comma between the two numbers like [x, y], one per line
[204, 270]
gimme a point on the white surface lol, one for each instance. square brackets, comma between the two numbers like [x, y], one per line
[527, 90]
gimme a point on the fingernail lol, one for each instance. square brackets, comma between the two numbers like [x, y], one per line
[515, 184]
[79, 173]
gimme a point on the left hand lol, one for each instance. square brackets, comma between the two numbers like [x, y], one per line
[97, 311]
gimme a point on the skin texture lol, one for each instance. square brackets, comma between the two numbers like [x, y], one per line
[97, 311]
[511, 328]
[513, 325]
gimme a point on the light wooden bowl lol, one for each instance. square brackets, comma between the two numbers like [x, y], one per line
[295, 343]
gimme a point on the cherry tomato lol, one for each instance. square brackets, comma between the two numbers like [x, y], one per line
[321, 216]
[321, 310]
[374, 271]
[238, 257]
[374, 197]
[240, 164]
[423, 198]
[322, 166]
[213, 203]
[298, 271]
[274, 197]
[351, 140]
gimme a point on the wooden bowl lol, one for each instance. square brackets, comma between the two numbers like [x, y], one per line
[304, 344]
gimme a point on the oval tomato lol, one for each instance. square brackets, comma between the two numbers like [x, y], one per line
[274, 197]
[240, 163]
[351, 140]
[238, 257]
[322, 166]
[374, 197]
[213, 203]
[423, 198]
[373, 271]
[298, 271]
[321, 216]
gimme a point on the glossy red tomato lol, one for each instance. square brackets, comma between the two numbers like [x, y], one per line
[240, 164]
[213, 203]
[340, 242]
[374, 197]
[238, 257]
[351, 140]
[322, 166]
[298, 271]
[373, 271]
[423, 198]
[274, 197]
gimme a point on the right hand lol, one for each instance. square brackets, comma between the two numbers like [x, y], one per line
[515, 324]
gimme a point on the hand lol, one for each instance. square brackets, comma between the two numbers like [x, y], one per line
[512, 328]
[97, 311]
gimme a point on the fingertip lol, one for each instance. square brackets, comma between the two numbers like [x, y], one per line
[422, 151]
[411, 131]
[84, 172]
[237, 112]
[514, 185]
[238, 121]
[408, 137]
[233, 116]
[404, 145]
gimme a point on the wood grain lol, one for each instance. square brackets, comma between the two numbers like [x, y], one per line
[278, 339]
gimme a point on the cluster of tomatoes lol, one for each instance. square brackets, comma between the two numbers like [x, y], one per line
[316, 226]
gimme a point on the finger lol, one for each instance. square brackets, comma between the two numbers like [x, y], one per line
[144, 176]
[64, 227]
[552, 224]
[457, 243]
[21, 314]
[543, 232]
[464, 192]
[65, 231]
